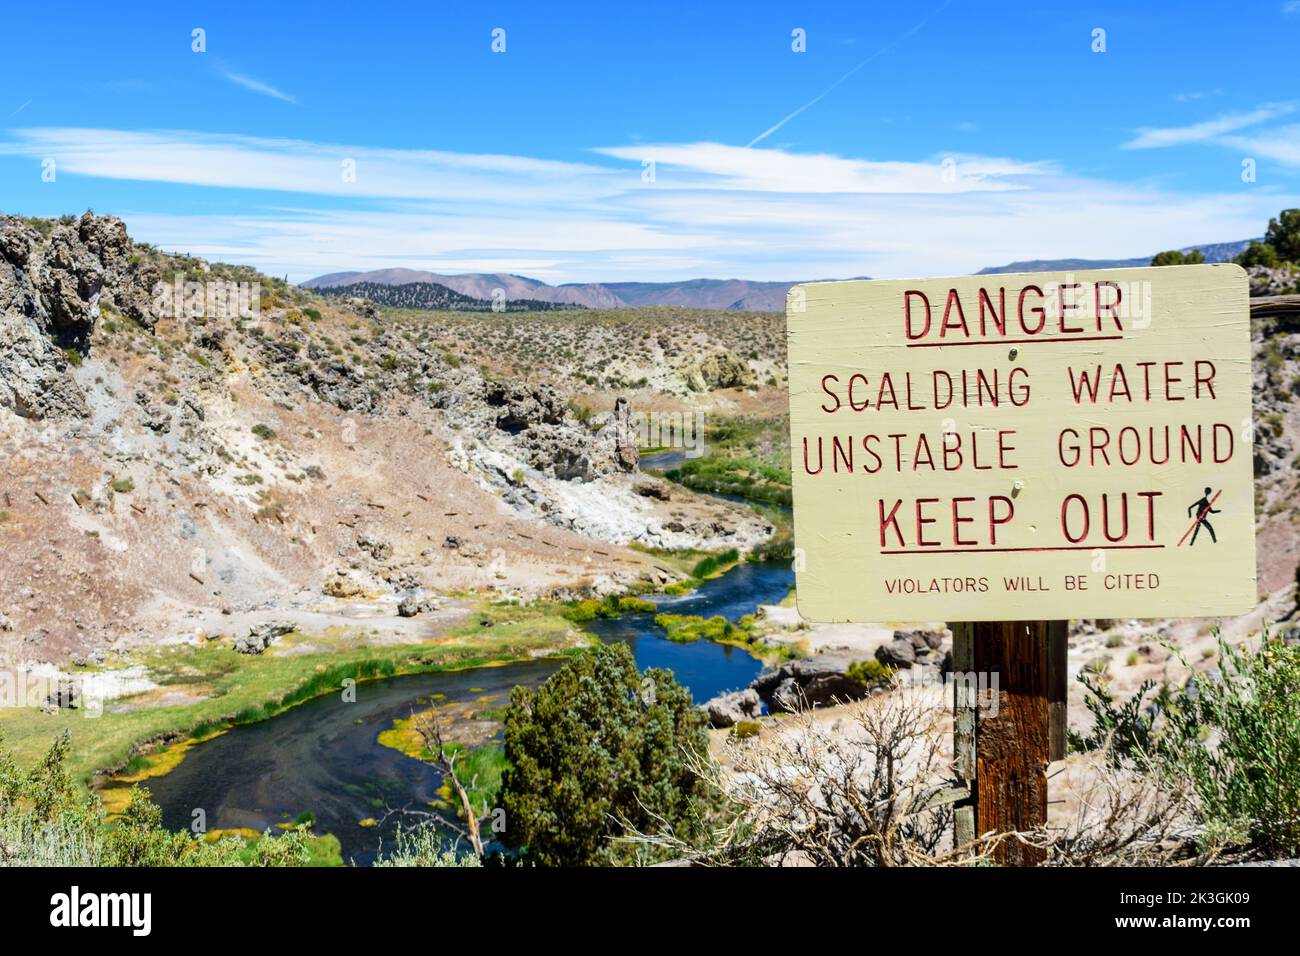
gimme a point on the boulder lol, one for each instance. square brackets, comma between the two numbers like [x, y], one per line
[922, 639]
[898, 653]
[726, 710]
[342, 586]
[409, 606]
[648, 487]
[809, 681]
[261, 636]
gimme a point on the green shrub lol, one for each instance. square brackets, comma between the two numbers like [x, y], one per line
[425, 846]
[263, 431]
[596, 749]
[123, 486]
[1174, 257]
[1232, 741]
[584, 611]
[870, 673]
[779, 547]
[1258, 254]
[1283, 234]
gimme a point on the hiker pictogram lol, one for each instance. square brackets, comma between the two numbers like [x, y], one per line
[1203, 508]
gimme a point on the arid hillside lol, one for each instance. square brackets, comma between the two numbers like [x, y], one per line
[172, 464]
[184, 457]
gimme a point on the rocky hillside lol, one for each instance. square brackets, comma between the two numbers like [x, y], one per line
[186, 442]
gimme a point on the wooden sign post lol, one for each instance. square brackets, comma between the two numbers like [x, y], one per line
[1002, 760]
[1012, 451]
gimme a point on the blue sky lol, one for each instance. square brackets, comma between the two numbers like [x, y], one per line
[924, 138]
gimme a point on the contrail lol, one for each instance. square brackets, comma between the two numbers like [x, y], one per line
[818, 98]
[20, 109]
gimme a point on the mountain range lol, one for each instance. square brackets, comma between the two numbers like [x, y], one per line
[720, 294]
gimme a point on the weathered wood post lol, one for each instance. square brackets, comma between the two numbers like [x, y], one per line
[1008, 723]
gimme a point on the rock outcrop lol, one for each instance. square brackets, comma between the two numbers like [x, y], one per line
[809, 682]
[261, 636]
[51, 293]
[911, 648]
[722, 369]
[521, 406]
[619, 437]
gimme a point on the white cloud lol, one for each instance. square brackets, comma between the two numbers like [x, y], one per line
[714, 210]
[717, 166]
[257, 86]
[285, 165]
[1281, 145]
[1207, 129]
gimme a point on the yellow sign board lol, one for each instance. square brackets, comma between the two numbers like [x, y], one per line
[1032, 446]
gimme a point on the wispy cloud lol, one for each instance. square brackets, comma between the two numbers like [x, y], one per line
[1207, 129]
[712, 209]
[1193, 95]
[1281, 145]
[258, 86]
[717, 166]
[297, 166]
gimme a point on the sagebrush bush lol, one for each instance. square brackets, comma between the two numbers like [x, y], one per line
[1230, 739]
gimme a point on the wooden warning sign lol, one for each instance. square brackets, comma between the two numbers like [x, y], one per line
[1031, 446]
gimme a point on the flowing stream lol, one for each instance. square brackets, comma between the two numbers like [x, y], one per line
[323, 756]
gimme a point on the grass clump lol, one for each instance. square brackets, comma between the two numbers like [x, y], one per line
[715, 564]
[583, 612]
[685, 628]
